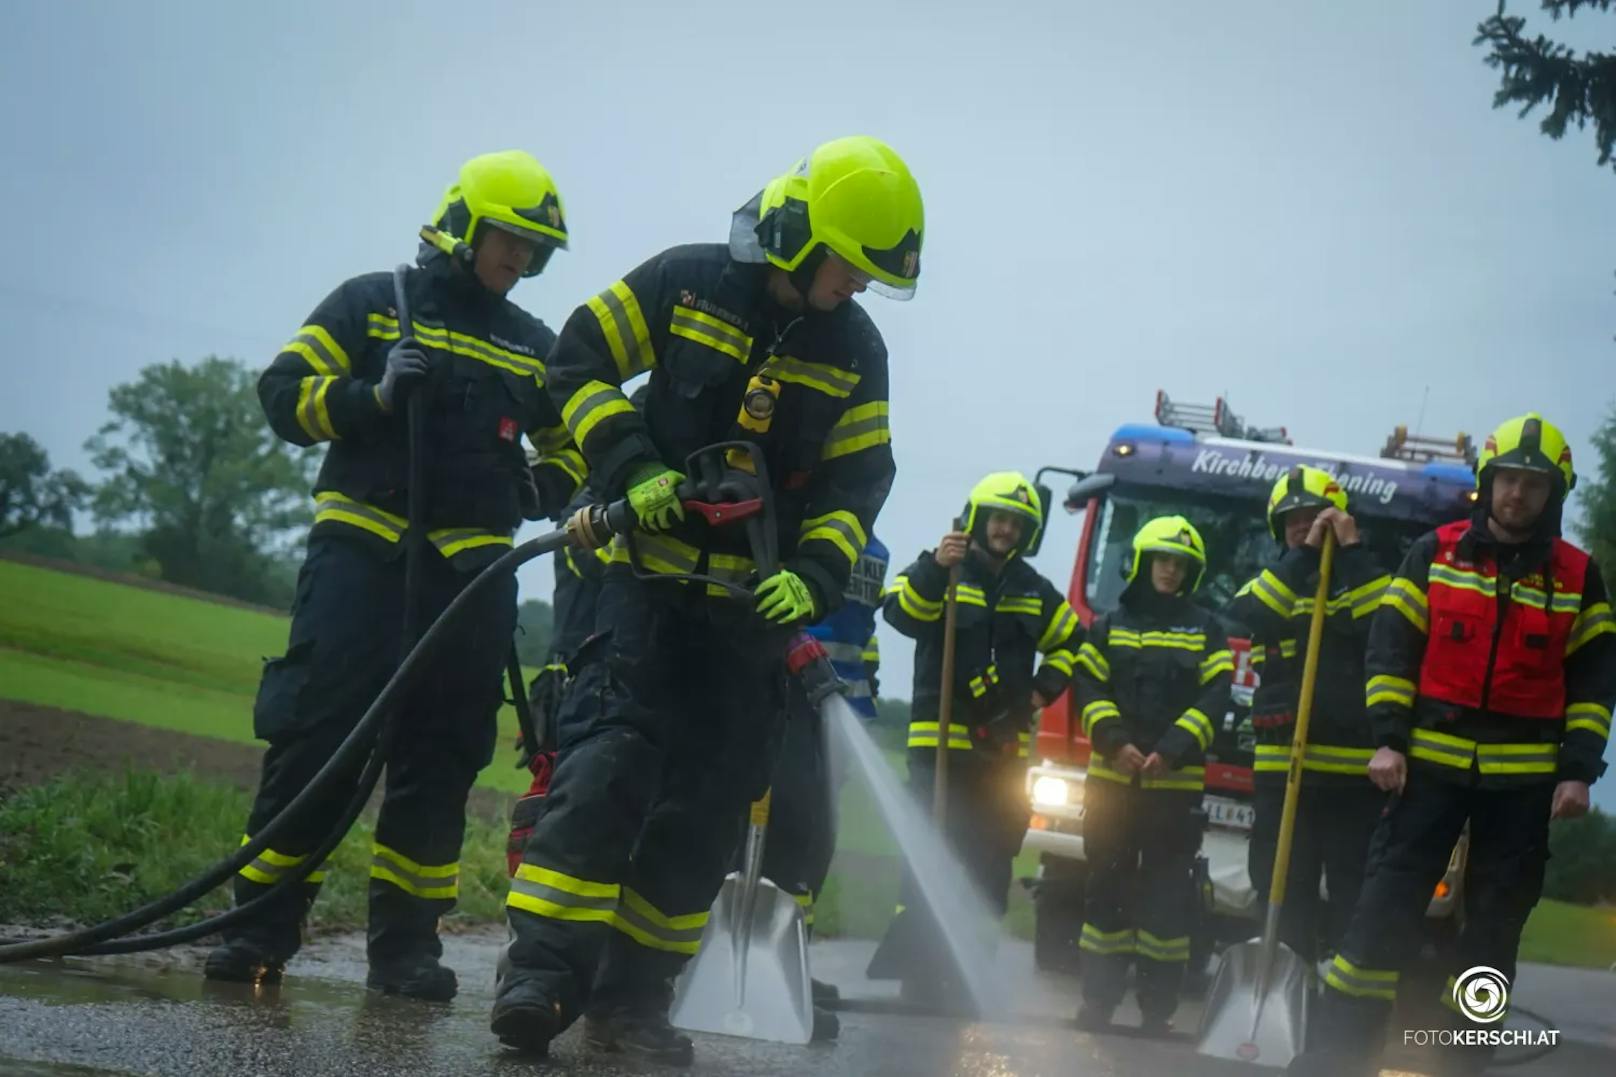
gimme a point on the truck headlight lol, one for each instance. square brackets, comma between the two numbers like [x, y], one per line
[1051, 792]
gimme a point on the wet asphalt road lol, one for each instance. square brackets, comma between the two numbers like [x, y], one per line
[159, 1017]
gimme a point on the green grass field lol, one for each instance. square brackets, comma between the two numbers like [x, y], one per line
[144, 656]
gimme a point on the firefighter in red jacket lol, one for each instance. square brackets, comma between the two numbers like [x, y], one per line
[1491, 673]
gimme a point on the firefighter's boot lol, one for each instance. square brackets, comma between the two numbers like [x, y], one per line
[525, 1019]
[243, 960]
[417, 976]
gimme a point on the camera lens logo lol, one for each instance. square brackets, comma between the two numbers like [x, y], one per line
[1481, 993]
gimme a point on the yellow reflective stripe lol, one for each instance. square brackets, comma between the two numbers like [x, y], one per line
[1090, 658]
[966, 595]
[1099, 769]
[550, 439]
[860, 428]
[715, 333]
[622, 325]
[312, 414]
[1165, 951]
[1365, 599]
[1329, 759]
[1190, 778]
[587, 407]
[1442, 749]
[452, 540]
[1216, 664]
[1384, 688]
[830, 380]
[924, 735]
[431, 881]
[1287, 648]
[570, 462]
[912, 602]
[1196, 724]
[1463, 579]
[1096, 941]
[382, 327]
[268, 866]
[838, 527]
[1022, 605]
[1271, 591]
[1517, 758]
[732, 568]
[331, 505]
[1592, 622]
[1594, 717]
[658, 553]
[1062, 623]
[1187, 641]
[320, 350]
[1272, 757]
[1563, 601]
[1406, 598]
[559, 896]
[1096, 712]
[1349, 979]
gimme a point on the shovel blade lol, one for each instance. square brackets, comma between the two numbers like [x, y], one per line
[1253, 1018]
[769, 949]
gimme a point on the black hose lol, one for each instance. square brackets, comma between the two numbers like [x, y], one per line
[361, 739]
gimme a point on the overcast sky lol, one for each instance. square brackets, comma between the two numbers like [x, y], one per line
[1310, 206]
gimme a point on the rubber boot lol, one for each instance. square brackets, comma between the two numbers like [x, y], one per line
[242, 960]
[824, 994]
[525, 1019]
[420, 976]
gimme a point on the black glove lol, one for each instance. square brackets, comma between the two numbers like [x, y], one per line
[406, 365]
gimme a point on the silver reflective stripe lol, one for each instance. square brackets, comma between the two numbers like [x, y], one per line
[873, 425]
[850, 653]
[413, 881]
[689, 936]
[720, 331]
[606, 903]
[637, 359]
[674, 553]
[316, 345]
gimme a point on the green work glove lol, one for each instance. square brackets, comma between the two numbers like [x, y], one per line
[785, 599]
[653, 494]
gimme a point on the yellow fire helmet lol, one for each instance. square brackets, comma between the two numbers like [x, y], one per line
[508, 190]
[1299, 488]
[854, 196]
[1003, 491]
[1169, 534]
[1532, 443]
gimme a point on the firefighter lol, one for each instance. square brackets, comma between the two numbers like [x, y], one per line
[1491, 675]
[578, 575]
[1339, 806]
[760, 341]
[1007, 615]
[477, 361]
[801, 839]
[1151, 684]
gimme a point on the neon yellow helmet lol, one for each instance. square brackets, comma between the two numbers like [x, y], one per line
[1169, 534]
[1302, 487]
[854, 196]
[510, 191]
[1004, 491]
[1531, 443]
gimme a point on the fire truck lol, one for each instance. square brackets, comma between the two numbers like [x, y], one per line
[1203, 462]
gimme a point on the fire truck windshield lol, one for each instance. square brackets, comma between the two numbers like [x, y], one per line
[1235, 532]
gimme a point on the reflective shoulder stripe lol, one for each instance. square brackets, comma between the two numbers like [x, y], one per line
[622, 324]
[1406, 598]
[1272, 592]
[1062, 623]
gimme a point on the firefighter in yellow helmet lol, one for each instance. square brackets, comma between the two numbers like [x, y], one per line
[1007, 616]
[683, 694]
[1491, 677]
[342, 381]
[1339, 806]
[1152, 681]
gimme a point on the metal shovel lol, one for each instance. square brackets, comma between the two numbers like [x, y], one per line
[1257, 1008]
[750, 976]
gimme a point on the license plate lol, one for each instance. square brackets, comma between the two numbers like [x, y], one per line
[1229, 813]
